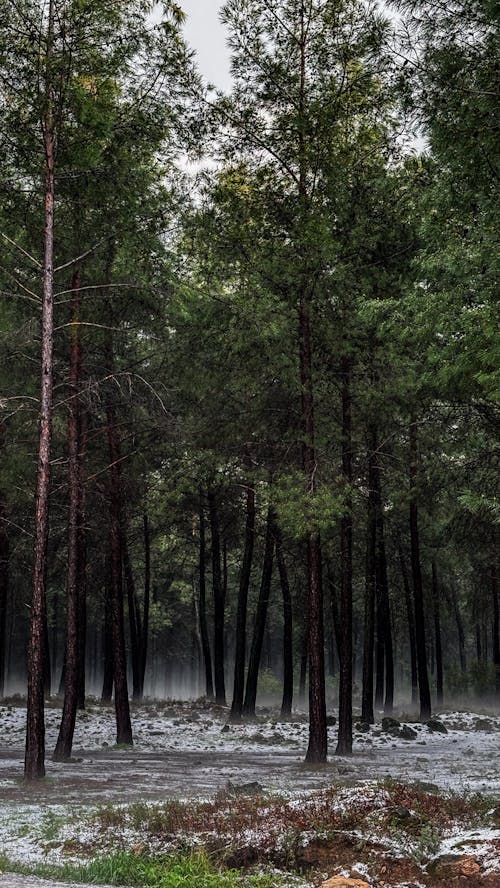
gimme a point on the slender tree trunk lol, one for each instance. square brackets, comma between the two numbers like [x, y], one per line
[418, 592]
[383, 585]
[147, 598]
[344, 742]
[411, 628]
[205, 640]
[219, 603]
[437, 636]
[318, 740]
[133, 613]
[82, 552]
[286, 703]
[379, 647]
[303, 666]
[367, 711]
[34, 763]
[460, 630]
[241, 615]
[334, 607]
[260, 620]
[107, 682]
[4, 588]
[496, 623]
[64, 743]
[122, 708]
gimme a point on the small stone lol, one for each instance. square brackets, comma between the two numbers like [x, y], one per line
[407, 733]
[449, 866]
[391, 726]
[343, 882]
[362, 727]
[436, 727]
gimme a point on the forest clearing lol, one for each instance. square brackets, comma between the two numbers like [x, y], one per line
[250, 443]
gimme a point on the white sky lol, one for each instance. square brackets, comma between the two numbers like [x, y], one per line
[205, 34]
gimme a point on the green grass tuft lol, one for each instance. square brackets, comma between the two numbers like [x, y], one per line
[141, 871]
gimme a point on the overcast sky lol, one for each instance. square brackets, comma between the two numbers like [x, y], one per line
[206, 35]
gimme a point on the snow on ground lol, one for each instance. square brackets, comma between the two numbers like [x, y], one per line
[187, 751]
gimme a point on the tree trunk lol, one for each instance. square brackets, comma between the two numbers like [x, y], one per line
[418, 592]
[411, 629]
[460, 630]
[260, 620]
[286, 703]
[437, 636]
[147, 598]
[135, 622]
[64, 743]
[219, 603]
[4, 587]
[241, 615]
[318, 739]
[107, 640]
[303, 666]
[367, 711]
[122, 708]
[82, 552]
[383, 586]
[344, 742]
[34, 762]
[205, 640]
[496, 623]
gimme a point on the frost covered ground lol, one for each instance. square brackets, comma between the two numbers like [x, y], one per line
[187, 752]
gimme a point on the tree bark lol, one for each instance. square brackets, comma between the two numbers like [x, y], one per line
[241, 615]
[418, 592]
[205, 640]
[82, 550]
[4, 586]
[367, 710]
[34, 762]
[344, 741]
[260, 620]
[496, 623]
[219, 603]
[437, 636]
[135, 622]
[411, 628]
[147, 599]
[107, 640]
[64, 743]
[286, 703]
[122, 707]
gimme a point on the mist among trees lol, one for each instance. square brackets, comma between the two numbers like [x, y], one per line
[249, 383]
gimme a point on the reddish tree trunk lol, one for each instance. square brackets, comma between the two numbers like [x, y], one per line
[34, 763]
[4, 586]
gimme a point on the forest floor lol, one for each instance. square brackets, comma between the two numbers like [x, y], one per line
[414, 806]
